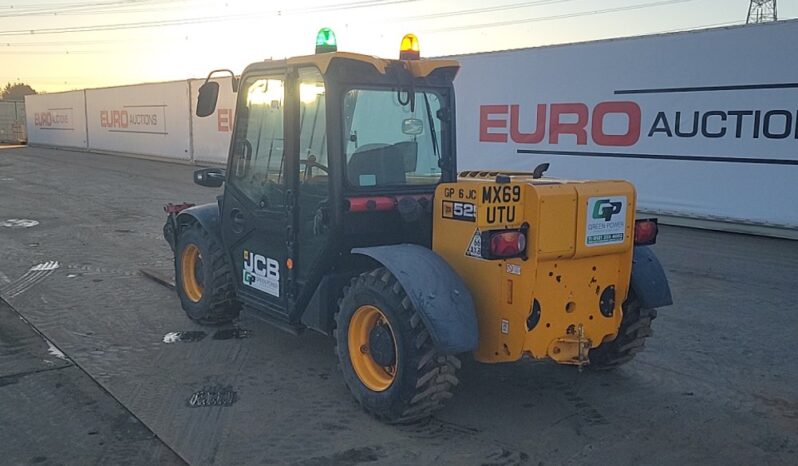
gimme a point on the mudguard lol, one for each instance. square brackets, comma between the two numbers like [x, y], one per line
[441, 297]
[206, 214]
[648, 279]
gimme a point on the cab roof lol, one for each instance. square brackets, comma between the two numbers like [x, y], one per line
[418, 68]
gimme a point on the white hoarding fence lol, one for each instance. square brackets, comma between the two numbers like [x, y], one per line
[147, 119]
[703, 123]
[57, 119]
[691, 119]
[211, 135]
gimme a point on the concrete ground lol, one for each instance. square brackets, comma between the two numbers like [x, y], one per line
[54, 413]
[717, 384]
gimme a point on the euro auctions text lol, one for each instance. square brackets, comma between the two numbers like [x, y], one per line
[503, 123]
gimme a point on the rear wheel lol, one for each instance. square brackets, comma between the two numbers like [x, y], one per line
[635, 328]
[386, 354]
[203, 278]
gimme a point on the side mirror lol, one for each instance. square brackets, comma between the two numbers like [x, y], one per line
[206, 100]
[412, 126]
[209, 177]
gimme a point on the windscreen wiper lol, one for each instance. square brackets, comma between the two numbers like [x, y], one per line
[432, 132]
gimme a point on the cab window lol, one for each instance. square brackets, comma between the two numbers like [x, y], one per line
[313, 129]
[257, 165]
[392, 137]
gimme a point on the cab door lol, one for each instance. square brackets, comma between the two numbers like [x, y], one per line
[257, 208]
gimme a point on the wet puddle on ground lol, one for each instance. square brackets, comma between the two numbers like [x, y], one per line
[174, 337]
[19, 223]
[197, 335]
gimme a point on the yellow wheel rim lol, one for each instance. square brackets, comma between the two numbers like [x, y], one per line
[373, 375]
[189, 260]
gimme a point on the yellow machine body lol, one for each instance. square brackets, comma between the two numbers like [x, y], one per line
[567, 266]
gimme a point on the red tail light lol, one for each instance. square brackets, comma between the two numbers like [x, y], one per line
[646, 231]
[507, 244]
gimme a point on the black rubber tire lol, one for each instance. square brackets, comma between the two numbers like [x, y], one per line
[218, 304]
[424, 377]
[635, 328]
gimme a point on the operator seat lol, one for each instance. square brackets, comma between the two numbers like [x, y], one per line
[381, 164]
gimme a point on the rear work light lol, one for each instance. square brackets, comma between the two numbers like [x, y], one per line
[504, 244]
[409, 49]
[646, 231]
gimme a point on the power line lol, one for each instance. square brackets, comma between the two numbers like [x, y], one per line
[445, 14]
[79, 42]
[35, 6]
[202, 20]
[491, 9]
[64, 52]
[325, 8]
[556, 17]
[83, 8]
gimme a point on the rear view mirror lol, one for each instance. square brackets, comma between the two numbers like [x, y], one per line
[209, 177]
[412, 126]
[206, 100]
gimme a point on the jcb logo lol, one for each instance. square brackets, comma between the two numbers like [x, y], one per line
[606, 209]
[262, 273]
[259, 265]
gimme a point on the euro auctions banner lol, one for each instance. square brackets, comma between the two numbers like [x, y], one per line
[705, 124]
[148, 119]
[56, 119]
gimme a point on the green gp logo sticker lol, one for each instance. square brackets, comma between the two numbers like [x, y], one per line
[606, 220]
[604, 208]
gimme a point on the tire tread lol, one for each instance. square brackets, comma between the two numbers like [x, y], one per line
[223, 305]
[635, 328]
[436, 373]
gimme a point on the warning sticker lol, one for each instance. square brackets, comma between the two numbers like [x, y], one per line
[606, 220]
[459, 211]
[475, 245]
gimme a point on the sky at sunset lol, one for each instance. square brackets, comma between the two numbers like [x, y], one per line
[57, 45]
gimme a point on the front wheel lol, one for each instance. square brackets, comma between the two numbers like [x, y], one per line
[635, 328]
[386, 354]
[203, 279]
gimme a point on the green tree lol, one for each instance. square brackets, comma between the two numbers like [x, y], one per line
[16, 91]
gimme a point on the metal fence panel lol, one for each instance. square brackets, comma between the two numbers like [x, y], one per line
[12, 122]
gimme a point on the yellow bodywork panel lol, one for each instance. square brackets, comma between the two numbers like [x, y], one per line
[548, 303]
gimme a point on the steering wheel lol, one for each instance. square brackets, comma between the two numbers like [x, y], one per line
[311, 163]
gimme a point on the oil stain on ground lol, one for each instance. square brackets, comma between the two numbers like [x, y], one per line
[217, 395]
[234, 333]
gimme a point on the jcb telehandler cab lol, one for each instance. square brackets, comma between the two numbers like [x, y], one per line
[343, 212]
